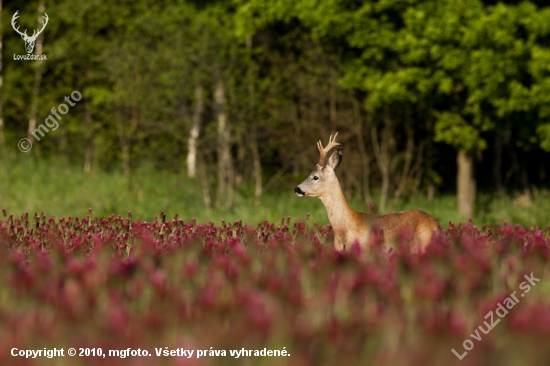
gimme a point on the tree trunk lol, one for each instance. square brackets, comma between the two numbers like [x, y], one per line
[415, 172]
[225, 164]
[123, 140]
[126, 159]
[37, 76]
[205, 185]
[256, 160]
[408, 159]
[365, 158]
[380, 158]
[63, 139]
[431, 192]
[333, 112]
[383, 150]
[256, 166]
[240, 165]
[465, 184]
[194, 133]
[497, 164]
[89, 154]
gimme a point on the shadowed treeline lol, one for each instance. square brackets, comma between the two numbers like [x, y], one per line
[428, 96]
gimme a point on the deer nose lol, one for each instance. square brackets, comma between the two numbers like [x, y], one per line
[299, 191]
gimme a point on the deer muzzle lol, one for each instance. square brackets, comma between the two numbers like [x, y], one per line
[299, 192]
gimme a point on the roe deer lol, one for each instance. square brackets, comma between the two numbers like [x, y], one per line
[351, 226]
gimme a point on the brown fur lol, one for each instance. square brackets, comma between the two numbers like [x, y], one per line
[418, 224]
[351, 226]
[415, 226]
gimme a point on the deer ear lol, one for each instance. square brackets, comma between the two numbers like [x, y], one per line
[335, 158]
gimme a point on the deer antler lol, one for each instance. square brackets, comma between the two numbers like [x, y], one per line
[24, 34]
[46, 18]
[325, 150]
[13, 21]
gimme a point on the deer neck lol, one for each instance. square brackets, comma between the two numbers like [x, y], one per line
[339, 213]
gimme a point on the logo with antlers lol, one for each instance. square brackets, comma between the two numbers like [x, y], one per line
[29, 40]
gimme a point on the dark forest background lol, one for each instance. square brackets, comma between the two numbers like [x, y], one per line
[430, 98]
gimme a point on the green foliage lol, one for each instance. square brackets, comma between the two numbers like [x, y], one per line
[56, 188]
[468, 57]
[452, 129]
[457, 73]
[59, 189]
[544, 133]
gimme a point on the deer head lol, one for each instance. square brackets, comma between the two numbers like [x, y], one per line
[322, 179]
[29, 41]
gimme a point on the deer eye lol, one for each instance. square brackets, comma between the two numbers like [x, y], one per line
[315, 177]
